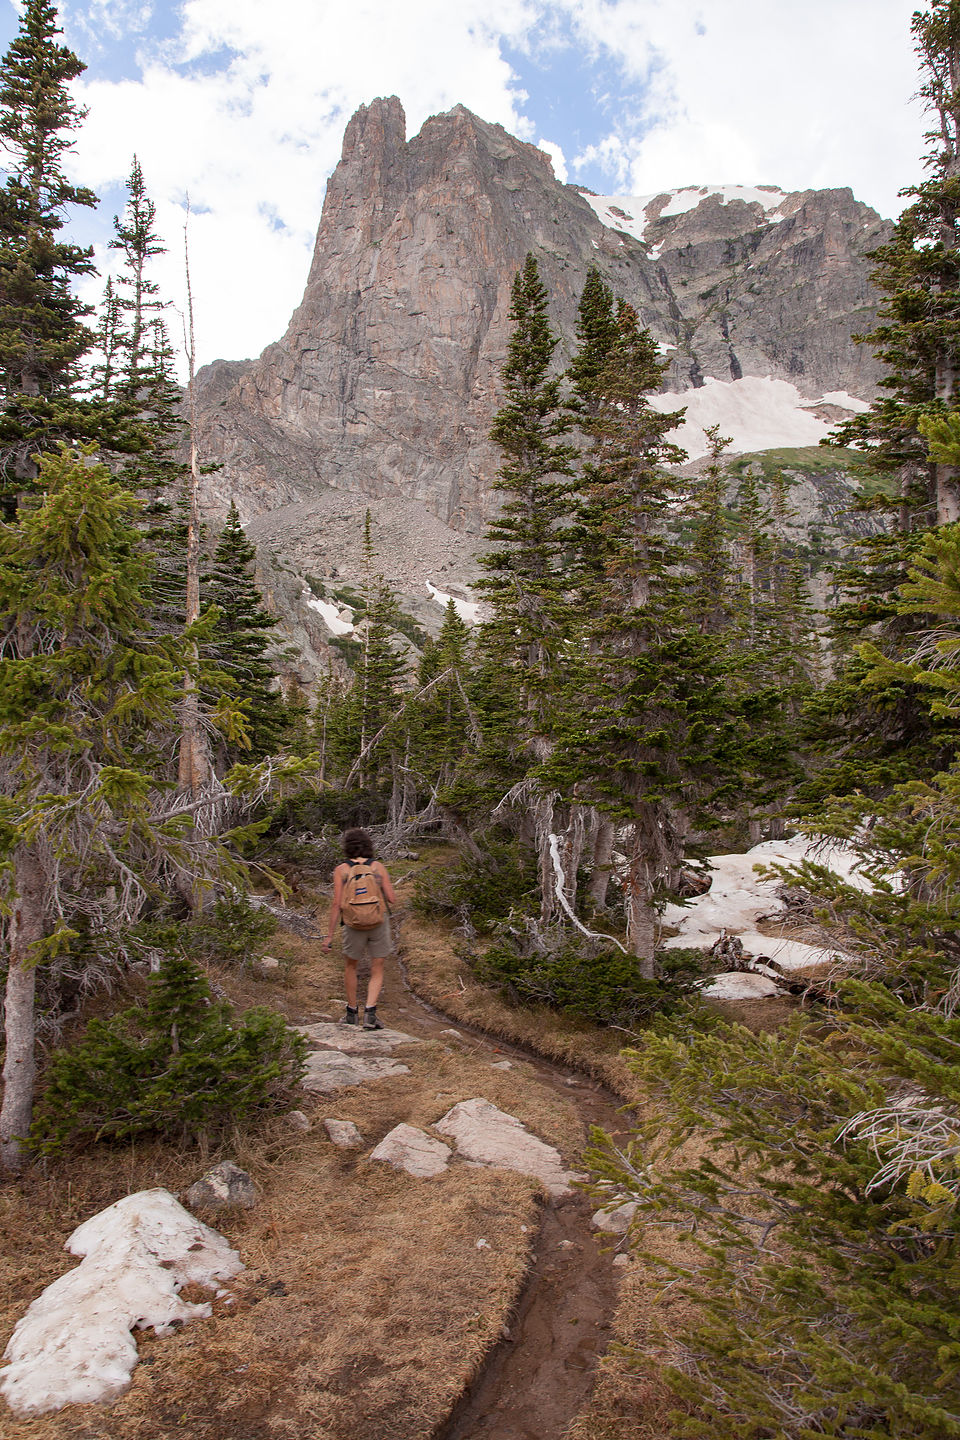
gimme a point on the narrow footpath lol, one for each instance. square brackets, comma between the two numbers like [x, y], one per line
[540, 1376]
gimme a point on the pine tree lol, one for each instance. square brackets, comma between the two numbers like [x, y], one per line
[89, 713]
[530, 627]
[42, 331]
[525, 583]
[876, 734]
[646, 720]
[240, 640]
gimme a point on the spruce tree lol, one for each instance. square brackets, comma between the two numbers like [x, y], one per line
[42, 331]
[646, 721]
[525, 585]
[875, 733]
[240, 641]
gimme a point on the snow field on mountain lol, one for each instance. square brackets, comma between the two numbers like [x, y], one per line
[755, 413]
[629, 212]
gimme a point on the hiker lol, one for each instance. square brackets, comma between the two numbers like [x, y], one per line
[361, 894]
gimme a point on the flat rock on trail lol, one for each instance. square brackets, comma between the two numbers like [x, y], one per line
[541, 1374]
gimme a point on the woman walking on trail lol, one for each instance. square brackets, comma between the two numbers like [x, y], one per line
[361, 894]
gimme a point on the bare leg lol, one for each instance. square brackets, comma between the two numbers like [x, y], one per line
[374, 984]
[350, 981]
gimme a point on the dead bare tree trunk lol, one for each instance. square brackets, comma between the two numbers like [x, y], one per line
[574, 841]
[194, 763]
[26, 928]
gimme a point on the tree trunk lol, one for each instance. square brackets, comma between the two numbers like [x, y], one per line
[649, 856]
[19, 1071]
[571, 850]
[602, 862]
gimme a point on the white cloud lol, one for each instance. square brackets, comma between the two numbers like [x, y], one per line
[253, 142]
[762, 91]
[556, 155]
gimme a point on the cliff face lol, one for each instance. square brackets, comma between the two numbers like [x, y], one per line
[387, 377]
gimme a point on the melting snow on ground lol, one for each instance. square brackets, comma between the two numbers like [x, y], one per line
[468, 610]
[738, 897]
[334, 619]
[74, 1345]
[632, 213]
[757, 414]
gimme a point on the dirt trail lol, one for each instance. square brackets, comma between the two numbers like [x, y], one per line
[542, 1373]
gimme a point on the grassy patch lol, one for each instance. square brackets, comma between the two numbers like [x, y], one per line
[804, 459]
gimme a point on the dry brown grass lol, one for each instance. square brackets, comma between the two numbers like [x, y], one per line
[366, 1305]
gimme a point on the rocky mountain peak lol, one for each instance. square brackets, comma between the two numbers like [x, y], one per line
[386, 380]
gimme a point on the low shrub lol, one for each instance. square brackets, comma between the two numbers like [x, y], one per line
[180, 1066]
[230, 932]
[481, 891]
[585, 978]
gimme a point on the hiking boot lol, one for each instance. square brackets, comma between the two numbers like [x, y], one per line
[370, 1020]
[351, 1017]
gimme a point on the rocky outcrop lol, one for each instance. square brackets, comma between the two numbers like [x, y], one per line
[388, 374]
[382, 389]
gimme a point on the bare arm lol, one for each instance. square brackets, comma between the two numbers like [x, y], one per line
[385, 886]
[334, 906]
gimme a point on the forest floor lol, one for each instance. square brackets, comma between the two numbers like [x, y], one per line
[367, 1309]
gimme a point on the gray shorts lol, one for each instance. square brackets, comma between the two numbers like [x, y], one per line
[375, 944]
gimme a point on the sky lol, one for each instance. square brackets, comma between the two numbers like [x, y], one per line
[240, 105]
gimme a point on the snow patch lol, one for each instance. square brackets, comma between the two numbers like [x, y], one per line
[633, 213]
[757, 414]
[331, 614]
[74, 1346]
[846, 400]
[468, 610]
[738, 897]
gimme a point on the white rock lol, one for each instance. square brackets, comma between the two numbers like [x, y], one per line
[298, 1120]
[354, 1040]
[74, 1346]
[489, 1136]
[455, 1033]
[328, 1070]
[483, 1244]
[502, 1065]
[413, 1150]
[616, 1221]
[739, 985]
[621, 1260]
[269, 962]
[343, 1133]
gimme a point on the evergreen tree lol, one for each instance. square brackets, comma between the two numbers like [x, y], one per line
[240, 640]
[89, 708]
[439, 723]
[530, 627]
[42, 331]
[878, 733]
[646, 722]
[525, 583]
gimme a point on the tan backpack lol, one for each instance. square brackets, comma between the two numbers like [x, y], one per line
[362, 905]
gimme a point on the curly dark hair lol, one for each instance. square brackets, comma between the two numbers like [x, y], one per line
[357, 845]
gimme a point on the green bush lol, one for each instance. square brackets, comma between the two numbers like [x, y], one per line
[584, 978]
[823, 1202]
[482, 891]
[230, 932]
[180, 1066]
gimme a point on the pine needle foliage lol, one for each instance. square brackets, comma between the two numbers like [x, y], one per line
[824, 1295]
[180, 1066]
